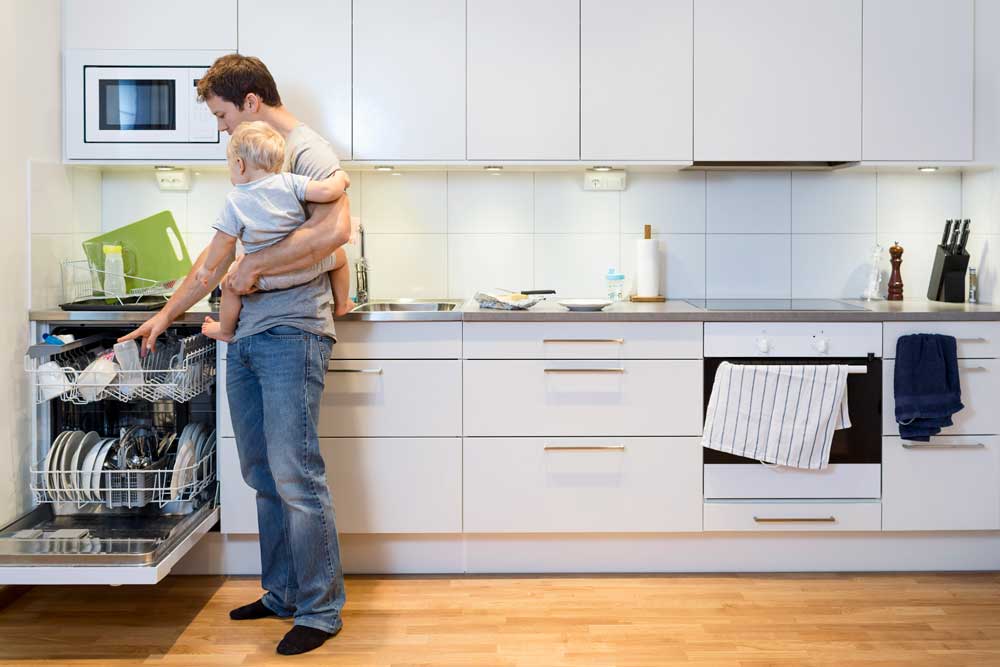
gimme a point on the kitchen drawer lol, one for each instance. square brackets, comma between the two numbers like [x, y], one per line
[980, 382]
[749, 481]
[793, 339]
[950, 483]
[793, 516]
[398, 340]
[379, 485]
[392, 398]
[590, 398]
[976, 340]
[582, 340]
[582, 484]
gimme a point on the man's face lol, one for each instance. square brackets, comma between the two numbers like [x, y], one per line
[228, 114]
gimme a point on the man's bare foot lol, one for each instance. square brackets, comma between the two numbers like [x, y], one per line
[213, 329]
[342, 308]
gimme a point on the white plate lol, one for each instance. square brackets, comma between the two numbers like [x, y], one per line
[584, 304]
[75, 467]
[88, 465]
[96, 473]
[65, 459]
[178, 480]
[52, 465]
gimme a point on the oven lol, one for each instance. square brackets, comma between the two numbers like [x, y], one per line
[856, 452]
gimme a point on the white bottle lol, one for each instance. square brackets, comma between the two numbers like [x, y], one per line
[114, 271]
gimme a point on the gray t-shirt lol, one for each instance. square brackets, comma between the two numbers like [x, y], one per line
[262, 212]
[308, 307]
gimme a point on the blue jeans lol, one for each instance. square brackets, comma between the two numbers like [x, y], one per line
[274, 383]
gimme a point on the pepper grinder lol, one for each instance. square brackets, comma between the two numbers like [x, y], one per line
[895, 279]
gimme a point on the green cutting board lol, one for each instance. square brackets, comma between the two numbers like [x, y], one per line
[152, 248]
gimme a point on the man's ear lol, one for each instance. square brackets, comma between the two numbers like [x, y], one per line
[251, 103]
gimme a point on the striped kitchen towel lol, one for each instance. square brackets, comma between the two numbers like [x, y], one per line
[776, 413]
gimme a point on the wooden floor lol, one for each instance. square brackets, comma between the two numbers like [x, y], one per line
[746, 621]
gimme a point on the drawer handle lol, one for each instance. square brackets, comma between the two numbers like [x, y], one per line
[936, 445]
[795, 519]
[619, 341]
[584, 448]
[972, 368]
[366, 371]
[584, 370]
[977, 339]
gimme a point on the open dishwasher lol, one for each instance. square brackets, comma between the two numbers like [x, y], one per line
[123, 467]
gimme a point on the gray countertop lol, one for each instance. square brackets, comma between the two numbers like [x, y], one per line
[550, 311]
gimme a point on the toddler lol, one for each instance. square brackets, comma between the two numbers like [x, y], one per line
[265, 205]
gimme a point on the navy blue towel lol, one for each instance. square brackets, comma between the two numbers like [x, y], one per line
[926, 384]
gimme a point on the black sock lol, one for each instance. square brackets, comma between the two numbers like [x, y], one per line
[251, 611]
[301, 639]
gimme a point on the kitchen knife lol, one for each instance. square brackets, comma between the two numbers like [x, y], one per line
[538, 291]
[965, 237]
[947, 232]
[956, 231]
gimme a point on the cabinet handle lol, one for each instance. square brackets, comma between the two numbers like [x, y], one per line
[584, 448]
[972, 368]
[367, 371]
[936, 445]
[977, 339]
[584, 370]
[795, 519]
[619, 341]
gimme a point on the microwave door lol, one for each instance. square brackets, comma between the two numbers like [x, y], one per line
[136, 104]
[203, 126]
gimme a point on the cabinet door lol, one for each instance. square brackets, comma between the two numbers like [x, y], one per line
[306, 44]
[409, 80]
[777, 80]
[918, 80]
[635, 80]
[126, 24]
[524, 80]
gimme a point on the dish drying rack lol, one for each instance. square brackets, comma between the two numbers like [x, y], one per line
[177, 371]
[82, 281]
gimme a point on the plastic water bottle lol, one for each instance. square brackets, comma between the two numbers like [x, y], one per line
[616, 285]
[114, 271]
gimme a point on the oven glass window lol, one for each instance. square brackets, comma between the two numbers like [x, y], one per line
[138, 104]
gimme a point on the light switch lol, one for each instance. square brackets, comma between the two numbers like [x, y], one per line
[604, 180]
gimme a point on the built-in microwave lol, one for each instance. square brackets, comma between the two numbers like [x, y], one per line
[138, 106]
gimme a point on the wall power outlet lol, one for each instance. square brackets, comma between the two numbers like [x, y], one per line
[604, 180]
[173, 179]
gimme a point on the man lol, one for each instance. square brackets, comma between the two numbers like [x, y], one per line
[276, 368]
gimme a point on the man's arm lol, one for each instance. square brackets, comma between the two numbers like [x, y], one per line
[190, 292]
[328, 228]
[328, 189]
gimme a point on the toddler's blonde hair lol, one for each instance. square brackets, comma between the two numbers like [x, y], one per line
[259, 145]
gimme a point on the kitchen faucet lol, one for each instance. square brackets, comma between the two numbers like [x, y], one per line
[361, 270]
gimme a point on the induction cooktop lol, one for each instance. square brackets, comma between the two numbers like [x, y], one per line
[773, 304]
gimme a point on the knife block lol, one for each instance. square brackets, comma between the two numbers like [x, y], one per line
[948, 276]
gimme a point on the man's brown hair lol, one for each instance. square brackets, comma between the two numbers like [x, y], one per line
[233, 77]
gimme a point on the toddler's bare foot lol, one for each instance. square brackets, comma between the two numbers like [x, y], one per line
[213, 329]
[342, 308]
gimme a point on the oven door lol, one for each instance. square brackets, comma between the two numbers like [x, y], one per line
[861, 443]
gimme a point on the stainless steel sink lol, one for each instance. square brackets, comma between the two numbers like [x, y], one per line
[406, 307]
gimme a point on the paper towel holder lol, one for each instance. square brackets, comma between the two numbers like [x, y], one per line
[647, 234]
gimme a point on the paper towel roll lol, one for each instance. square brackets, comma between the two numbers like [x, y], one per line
[647, 271]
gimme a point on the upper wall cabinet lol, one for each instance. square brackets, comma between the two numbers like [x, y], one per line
[918, 80]
[127, 24]
[307, 47]
[777, 80]
[409, 80]
[523, 80]
[635, 80]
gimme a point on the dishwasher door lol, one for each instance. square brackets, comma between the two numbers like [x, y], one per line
[123, 470]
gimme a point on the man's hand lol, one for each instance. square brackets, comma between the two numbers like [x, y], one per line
[149, 331]
[242, 276]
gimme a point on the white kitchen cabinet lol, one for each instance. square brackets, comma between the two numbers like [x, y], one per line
[980, 383]
[398, 340]
[918, 80]
[777, 80]
[306, 45]
[126, 24]
[949, 483]
[582, 484]
[635, 80]
[582, 340]
[554, 398]
[793, 516]
[523, 80]
[379, 485]
[974, 340]
[409, 80]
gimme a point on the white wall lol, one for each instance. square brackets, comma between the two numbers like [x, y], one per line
[446, 234]
[29, 53]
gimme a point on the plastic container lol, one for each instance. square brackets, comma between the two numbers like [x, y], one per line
[616, 285]
[114, 271]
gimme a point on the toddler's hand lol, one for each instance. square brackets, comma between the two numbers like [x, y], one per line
[202, 275]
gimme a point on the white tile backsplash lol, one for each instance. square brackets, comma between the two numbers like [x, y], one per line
[488, 203]
[563, 206]
[745, 266]
[436, 234]
[749, 202]
[835, 202]
[672, 203]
